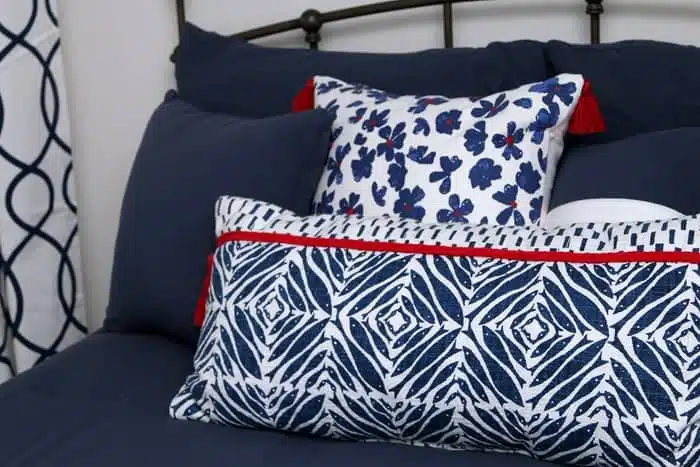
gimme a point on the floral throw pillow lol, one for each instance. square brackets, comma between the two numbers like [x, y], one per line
[435, 159]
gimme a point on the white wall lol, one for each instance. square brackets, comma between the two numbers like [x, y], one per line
[116, 60]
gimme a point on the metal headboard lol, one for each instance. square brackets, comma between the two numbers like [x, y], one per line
[311, 21]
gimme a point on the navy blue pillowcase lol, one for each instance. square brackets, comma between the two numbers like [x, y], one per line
[187, 159]
[661, 167]
[227, 74]
[641, 85]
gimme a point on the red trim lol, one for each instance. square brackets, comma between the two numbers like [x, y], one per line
[586, 118]
[201, 308]
[443, 250]
[304, 99]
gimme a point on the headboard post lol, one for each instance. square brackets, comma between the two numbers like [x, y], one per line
[594, 8]
[180, 6]
[311, 21]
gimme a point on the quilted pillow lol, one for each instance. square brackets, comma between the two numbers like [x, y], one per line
[432, 158]
[576, 345]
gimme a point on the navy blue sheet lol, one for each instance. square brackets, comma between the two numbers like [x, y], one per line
[104, 402]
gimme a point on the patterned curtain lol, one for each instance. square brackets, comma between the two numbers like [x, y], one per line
[40, 281]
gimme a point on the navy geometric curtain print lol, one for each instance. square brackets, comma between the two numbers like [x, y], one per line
[41, 291]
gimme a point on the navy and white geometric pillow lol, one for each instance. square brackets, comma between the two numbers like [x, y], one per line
[434, 159]
[553, 344]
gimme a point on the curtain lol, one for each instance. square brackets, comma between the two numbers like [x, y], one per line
[40, 280]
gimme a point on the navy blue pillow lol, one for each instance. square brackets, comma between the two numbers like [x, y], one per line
[661, 167]
[227, 74]
[641, 86]
[187, 159]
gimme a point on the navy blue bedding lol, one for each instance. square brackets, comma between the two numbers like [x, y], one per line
[104, 402]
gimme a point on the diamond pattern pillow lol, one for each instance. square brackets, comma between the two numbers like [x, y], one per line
[576, 345]
[435, 159]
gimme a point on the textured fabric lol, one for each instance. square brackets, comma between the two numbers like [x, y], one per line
[187, 158]
[379, 329]
[42, 306]
[641, 85]
[103, 402]
[481, 160]
[229, 75]
[662, 167]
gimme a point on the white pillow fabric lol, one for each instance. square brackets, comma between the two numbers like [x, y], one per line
[607, 210]
[435, 159]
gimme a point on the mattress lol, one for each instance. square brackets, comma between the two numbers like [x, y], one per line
[104, 402]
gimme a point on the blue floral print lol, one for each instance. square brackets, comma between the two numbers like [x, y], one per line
[350, 205]
[362, 167]
[475, 138]
[509, 197]
[552, 88]
[393, 140]
[408, 204]
[336, 175]
[439, 159]
[448, 166]
[535, 209]
[489, 108]
[422, 103]
[457, 210]
[510, 141]
[376, 119]
[447, 122]
[528, 178]
[484, 173]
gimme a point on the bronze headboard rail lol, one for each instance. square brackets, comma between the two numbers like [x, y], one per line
[311, 21]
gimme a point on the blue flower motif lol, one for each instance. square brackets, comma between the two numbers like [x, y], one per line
[379, 97]
[509, 197]
[393, 140]
[523, 102]
[359, 113]
[489, 109]
[350, 205]
[332, 108]
[335, 134]
[509, 142]
[447, 122]
[421, 127]
[475, 138]
[458, 210]
[407, 206]
[545, 119]
[325, 205]
[527, 178]
[355, 88]
[542, 160]
[376, 119]
[334, 164]
[323, 88]
[420, 155]
[536, 209]
[423, 102]
[360, 139]
[397, 175]
[484, 172]
[553, 88]
[362, 167]
[378, 194]
[354, 104]
[448, 165]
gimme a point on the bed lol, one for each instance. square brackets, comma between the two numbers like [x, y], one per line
[108, 400]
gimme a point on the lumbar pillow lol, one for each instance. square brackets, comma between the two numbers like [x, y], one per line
[434, 159]
[574, 345]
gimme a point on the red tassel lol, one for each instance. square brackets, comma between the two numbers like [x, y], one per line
[586, 118]
[201, 308]
[304, 100]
